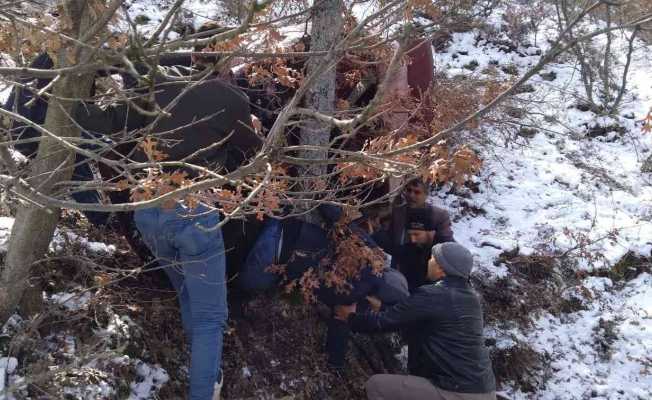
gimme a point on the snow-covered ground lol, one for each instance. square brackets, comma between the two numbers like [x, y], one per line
[546, 193]
[543, 194]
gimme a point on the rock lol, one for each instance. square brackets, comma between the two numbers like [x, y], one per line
[441, 40]
[515, 112]
[510, 69]
[141, 19]
[548, 76]
[527, 88]
[472, 65]
[646, 168]
[527, 133]
[599, 130]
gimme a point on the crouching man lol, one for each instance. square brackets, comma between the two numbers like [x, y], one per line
[447, 359]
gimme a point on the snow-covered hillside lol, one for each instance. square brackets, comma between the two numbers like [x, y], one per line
[553, 190]
[562, 188]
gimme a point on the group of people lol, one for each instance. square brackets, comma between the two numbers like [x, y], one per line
[423, 290]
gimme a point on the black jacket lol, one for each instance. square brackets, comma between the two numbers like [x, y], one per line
[222, 108]
[444, 325]
[204, 115]
[19, 98]
[412, 261]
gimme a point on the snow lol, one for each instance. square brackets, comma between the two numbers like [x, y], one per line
[542, 194]
[61, 239]
[5, 90]
[579, 370]
[533, 188]
[89, 392]
[5, 231]
[71, 301]
[152, 378]
[547, 194]
[9, 378]
[4, 93]
[195, 13]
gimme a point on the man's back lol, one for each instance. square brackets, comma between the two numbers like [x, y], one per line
[444, 324]
[453, 354]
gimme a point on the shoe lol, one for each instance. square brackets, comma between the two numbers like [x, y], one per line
[217, 389]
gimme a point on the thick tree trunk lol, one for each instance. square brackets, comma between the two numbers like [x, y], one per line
[34, 225]
[327, 23]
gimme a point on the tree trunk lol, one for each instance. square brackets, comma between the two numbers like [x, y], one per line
[327, 23]
[34, 225]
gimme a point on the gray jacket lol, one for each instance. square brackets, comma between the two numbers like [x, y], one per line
[444, 324]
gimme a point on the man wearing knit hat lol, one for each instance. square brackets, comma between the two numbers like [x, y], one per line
[412, 257]
[447, 359]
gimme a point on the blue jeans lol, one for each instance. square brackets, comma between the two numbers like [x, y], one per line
[253, 274]
[195, 263]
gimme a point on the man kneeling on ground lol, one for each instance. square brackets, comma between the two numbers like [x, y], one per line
[447, 359]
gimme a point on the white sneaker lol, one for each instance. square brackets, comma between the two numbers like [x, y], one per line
[217, 389]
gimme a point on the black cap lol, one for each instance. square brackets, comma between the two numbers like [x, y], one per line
[420, 219]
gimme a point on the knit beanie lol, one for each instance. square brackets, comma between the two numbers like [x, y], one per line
[420, 219]
[454, 259]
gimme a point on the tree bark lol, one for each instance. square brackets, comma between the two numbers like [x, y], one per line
[34, 226]
[327, 23]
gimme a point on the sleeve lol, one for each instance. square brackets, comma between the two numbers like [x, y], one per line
[418, 307]
[330, 213]
[363, 287]
[384, 241]
[443, 229]
[110, 120]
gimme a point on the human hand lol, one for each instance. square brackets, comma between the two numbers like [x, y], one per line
[342, 312]
[375, 303]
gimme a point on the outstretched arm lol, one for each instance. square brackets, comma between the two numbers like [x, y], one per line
[418, 307]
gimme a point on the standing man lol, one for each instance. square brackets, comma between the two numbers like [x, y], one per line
[415, 194]
[187, 241]
[411, 258]
[447, 359]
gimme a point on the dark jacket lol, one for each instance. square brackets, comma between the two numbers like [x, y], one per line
[224, 108]
[304, 245]
[412, 261]
[444, 325]
[36, 112]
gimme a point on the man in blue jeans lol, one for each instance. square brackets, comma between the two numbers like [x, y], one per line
[191, 251]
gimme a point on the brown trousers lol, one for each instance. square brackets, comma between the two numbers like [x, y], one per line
[410, 387]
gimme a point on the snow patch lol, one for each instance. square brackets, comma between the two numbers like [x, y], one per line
[70, 301]
[152, 378]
